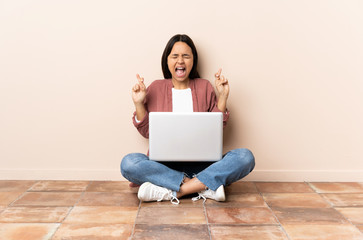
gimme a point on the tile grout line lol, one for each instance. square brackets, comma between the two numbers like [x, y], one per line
[70, 209]
[332, 206]
[21, 195]
[28, 190]
[276, 218]
[36, 182]
[322, 195]
[206, 219]
[312, 187]
[134, 225]
[90, 183]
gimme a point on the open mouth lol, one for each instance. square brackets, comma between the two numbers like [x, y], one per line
[180, 71]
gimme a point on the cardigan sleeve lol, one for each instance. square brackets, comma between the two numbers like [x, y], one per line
[143, 125]
[152, 101]
[213, 103]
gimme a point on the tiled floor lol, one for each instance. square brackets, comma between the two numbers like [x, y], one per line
[70, 210]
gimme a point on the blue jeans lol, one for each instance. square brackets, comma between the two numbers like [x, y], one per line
[235, 164]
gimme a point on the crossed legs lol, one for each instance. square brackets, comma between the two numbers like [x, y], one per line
[236, 164]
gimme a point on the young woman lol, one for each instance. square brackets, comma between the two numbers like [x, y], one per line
[182, 90]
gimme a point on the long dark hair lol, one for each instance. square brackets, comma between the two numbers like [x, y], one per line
[169, 46]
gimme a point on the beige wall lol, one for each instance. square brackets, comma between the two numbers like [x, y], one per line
[295, 71]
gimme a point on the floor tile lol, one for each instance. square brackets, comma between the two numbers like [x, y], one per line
[170, 231]
[110, 186]
[109, 209]
[344, 199]
[109, 199]
[239, 200]
[241, 187]
[283, 187]
[8, 197]
[93, 231]
[342, 187]
[102, 214]
[323, 232]
[240, 216]
[237, 232]
[291, 200]
[184, 202]
[59, 186]
[27, 231]
[171, 215]
[309, 216]
[48, 199]
[34, 214]
[15, 185]
[354, 214]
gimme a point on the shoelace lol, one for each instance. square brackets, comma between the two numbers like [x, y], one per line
[199, 197]
[167, 193]
[174, 199]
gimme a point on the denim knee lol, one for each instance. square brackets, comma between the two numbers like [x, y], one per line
[246, 158]
[129, 163]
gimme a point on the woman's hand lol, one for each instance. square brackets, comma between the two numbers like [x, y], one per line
[222, 85]
[139, 91]
[138, 96]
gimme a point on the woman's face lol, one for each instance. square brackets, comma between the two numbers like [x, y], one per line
[180, 61]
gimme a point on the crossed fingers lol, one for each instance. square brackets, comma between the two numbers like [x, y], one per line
[140, 86]
[220, 79]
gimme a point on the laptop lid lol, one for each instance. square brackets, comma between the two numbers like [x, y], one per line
[195, 136]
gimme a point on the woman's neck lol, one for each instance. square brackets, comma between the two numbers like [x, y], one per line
[180, 84]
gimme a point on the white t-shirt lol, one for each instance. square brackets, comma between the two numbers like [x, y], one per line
[182, 101]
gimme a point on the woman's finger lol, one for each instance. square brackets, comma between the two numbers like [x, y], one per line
[218, 74]
[140, 79]
[221, 80]
[142, 85]
[136, 88]
[141, 82]
[224, 80]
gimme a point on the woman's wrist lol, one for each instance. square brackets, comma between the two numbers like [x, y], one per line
[222, 104]
[140, 111]
[139, 105]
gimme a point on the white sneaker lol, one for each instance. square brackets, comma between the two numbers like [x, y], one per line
[217, 195]
[149, 192]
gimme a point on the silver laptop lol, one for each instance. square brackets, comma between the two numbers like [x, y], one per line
[195, 136]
